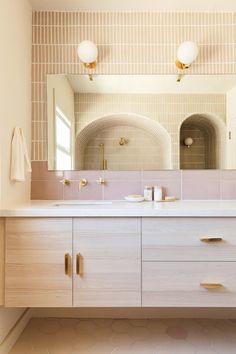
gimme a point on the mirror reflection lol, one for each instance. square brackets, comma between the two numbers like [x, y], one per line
[141, 122]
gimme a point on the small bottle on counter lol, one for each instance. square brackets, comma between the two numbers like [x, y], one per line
[158, 194]
[148, 193]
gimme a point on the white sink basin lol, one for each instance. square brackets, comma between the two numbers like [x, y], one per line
[82, 202]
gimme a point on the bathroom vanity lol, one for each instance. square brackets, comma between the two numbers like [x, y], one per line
[180, 254]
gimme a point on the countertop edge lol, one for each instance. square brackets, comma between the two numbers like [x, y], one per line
[123, 209]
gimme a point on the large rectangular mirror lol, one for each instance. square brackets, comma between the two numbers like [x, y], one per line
[141, 122]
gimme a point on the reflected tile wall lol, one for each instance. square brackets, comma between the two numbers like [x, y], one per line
[186, 185]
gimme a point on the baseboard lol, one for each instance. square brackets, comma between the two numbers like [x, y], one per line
[15, 332]
[220, 313]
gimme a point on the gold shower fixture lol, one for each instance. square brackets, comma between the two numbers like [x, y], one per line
[103, 162]
[123, 141]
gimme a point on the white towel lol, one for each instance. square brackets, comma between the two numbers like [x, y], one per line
[19, 156]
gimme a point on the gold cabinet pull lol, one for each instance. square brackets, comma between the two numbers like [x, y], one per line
[78, 264]
[211, 285]
[209, 239]
[67, 264]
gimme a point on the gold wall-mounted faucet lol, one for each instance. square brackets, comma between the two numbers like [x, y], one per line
[82, 183]
[101, 181]
[65, 182]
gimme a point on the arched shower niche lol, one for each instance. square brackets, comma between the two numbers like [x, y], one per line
[123, 142]
[207, 142]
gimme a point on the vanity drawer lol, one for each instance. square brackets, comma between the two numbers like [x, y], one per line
[178, 284]
[189, 239]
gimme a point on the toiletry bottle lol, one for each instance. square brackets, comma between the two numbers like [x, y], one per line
[148, 193]
[158, 194]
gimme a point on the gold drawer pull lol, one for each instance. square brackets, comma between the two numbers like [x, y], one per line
[211, 239]
[78, 264]
[67, 264]
[211, 285]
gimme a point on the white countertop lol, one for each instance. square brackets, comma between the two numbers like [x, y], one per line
[214, 208]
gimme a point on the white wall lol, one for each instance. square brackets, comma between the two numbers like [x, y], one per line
[15, 90]
[15, 110]
[231, 127]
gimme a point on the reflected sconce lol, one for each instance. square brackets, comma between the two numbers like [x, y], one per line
[186, 55]
[188, 141]
[88, 53]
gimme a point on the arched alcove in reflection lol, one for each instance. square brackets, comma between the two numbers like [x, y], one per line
[208, 142]
[148, 145]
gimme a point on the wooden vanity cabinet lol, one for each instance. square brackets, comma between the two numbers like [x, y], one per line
[37, 264]
[120, 262]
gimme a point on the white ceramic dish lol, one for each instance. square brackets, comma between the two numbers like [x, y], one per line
[133, 198]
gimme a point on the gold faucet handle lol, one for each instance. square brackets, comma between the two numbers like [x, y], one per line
[210, 286]
[65, 182]
[82, 183]
[101, 181]
[211, 239]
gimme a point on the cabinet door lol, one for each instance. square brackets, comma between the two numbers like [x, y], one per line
[38, 262]
[107, 262]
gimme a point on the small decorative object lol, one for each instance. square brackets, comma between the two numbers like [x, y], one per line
[157, 193]
[170, 199]
[188, 142]
[148, 193]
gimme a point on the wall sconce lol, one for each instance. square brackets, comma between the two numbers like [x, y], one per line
[188, 142]
[88, 53]
[186, 55]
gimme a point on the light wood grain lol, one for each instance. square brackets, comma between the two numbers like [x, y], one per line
[2, 260]
[35, 269]
[110, 262]
[178, 239]
[177, 284]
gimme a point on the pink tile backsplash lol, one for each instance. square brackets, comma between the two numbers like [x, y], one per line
[186, 184]
[119, 189]
[40, 172]
[92, 191]
[122, 175]
[228, 184]
[162, 175]
[46, 190]
[201, 184]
